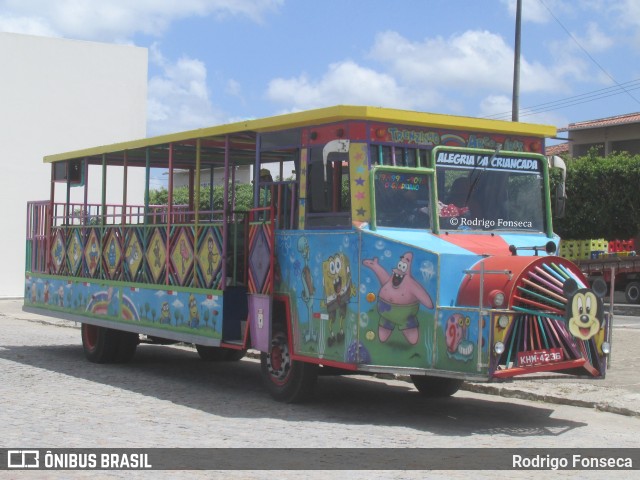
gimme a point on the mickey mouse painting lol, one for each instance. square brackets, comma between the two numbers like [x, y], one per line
[584, 311]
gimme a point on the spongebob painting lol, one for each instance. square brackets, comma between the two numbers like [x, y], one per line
[338, 290]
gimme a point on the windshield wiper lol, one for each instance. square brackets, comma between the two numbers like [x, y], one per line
[474, 184]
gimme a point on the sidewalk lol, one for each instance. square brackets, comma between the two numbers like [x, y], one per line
[618, 393]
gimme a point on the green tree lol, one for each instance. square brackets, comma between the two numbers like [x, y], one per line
[243, 193]
[603, 197]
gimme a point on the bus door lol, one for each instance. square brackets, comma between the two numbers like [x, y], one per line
[260, 275]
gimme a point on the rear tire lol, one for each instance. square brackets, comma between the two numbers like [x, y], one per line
[287, 380]
[106, 345]
[436, 387]
[100, 344]
[127, 346]
[632, 292]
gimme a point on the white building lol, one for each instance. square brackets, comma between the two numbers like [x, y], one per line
[59, 95]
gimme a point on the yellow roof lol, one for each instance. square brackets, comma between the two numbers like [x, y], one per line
[317, 117]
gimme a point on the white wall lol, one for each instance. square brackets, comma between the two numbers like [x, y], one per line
[58, 95]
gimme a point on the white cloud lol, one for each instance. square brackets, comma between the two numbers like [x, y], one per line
[234, 89]
[344, 82]
[178, 98]
[534, 11]
[594, 40]
[472, 61]
[500, 107]
[495, 105]
[26, 25]
[629, 11]
[117, 20]
[435, 74]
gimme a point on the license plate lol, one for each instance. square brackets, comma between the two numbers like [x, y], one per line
[540, 357]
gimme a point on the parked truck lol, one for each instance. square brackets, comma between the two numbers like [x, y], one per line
[613, 261]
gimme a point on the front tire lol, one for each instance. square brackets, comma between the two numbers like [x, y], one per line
[436, 387]
[287, 380]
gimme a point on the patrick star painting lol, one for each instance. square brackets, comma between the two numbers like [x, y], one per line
[399, 299]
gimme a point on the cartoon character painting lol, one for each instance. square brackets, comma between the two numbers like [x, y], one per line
[46, 293]
[194, 315]
[156, 253]
[584, 311]
[112, 254]
[211, 257]
[134, 254]
[399, 299]
[93, 256]
[165, 313]
[61, 296]
[338, 290]
[113, 308]
[184, 254]
[457, 337]
[308, 289]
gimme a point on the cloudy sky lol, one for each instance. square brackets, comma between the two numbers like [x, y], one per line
[215, 61]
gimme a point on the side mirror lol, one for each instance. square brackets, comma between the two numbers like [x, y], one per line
[560, 196]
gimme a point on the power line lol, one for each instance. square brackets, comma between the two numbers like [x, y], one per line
[617, 89]
[574, 100]
[585, 51]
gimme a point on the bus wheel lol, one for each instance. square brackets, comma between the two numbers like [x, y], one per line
[632, 292]
[287, 380]
[219, 354]
[436, 386]
[100, 344]
[127, 346]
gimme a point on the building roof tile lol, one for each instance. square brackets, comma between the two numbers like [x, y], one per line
[557, 149]
[603, 122]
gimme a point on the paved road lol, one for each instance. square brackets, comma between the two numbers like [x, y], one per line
[51, 397]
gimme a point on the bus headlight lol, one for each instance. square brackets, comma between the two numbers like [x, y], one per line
[606, 348]
[496, 297]
[503, 321]
[498, 348]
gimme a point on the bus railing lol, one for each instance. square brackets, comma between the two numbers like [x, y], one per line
[207, 253]
[80, 214]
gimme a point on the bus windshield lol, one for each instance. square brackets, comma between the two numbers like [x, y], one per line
[484, 192]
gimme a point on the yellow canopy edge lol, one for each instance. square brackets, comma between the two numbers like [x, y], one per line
[321, 116]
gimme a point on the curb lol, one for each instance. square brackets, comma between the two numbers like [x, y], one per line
[532, 396]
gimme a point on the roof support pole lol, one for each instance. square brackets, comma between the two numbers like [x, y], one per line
[169, 215]
[225, 217]
[125, 164]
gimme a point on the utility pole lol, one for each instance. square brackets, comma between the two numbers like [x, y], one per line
[515, 102]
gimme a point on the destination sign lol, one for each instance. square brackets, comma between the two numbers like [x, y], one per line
[498, 162]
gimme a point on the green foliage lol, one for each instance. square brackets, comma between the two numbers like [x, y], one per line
[244, 197]
[603, 197]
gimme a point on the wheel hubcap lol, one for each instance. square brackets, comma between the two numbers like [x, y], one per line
[279, 361]
[90, 336]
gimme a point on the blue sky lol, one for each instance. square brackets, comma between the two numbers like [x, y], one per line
[215, 61]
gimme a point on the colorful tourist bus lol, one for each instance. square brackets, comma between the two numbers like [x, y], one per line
[390, 241]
